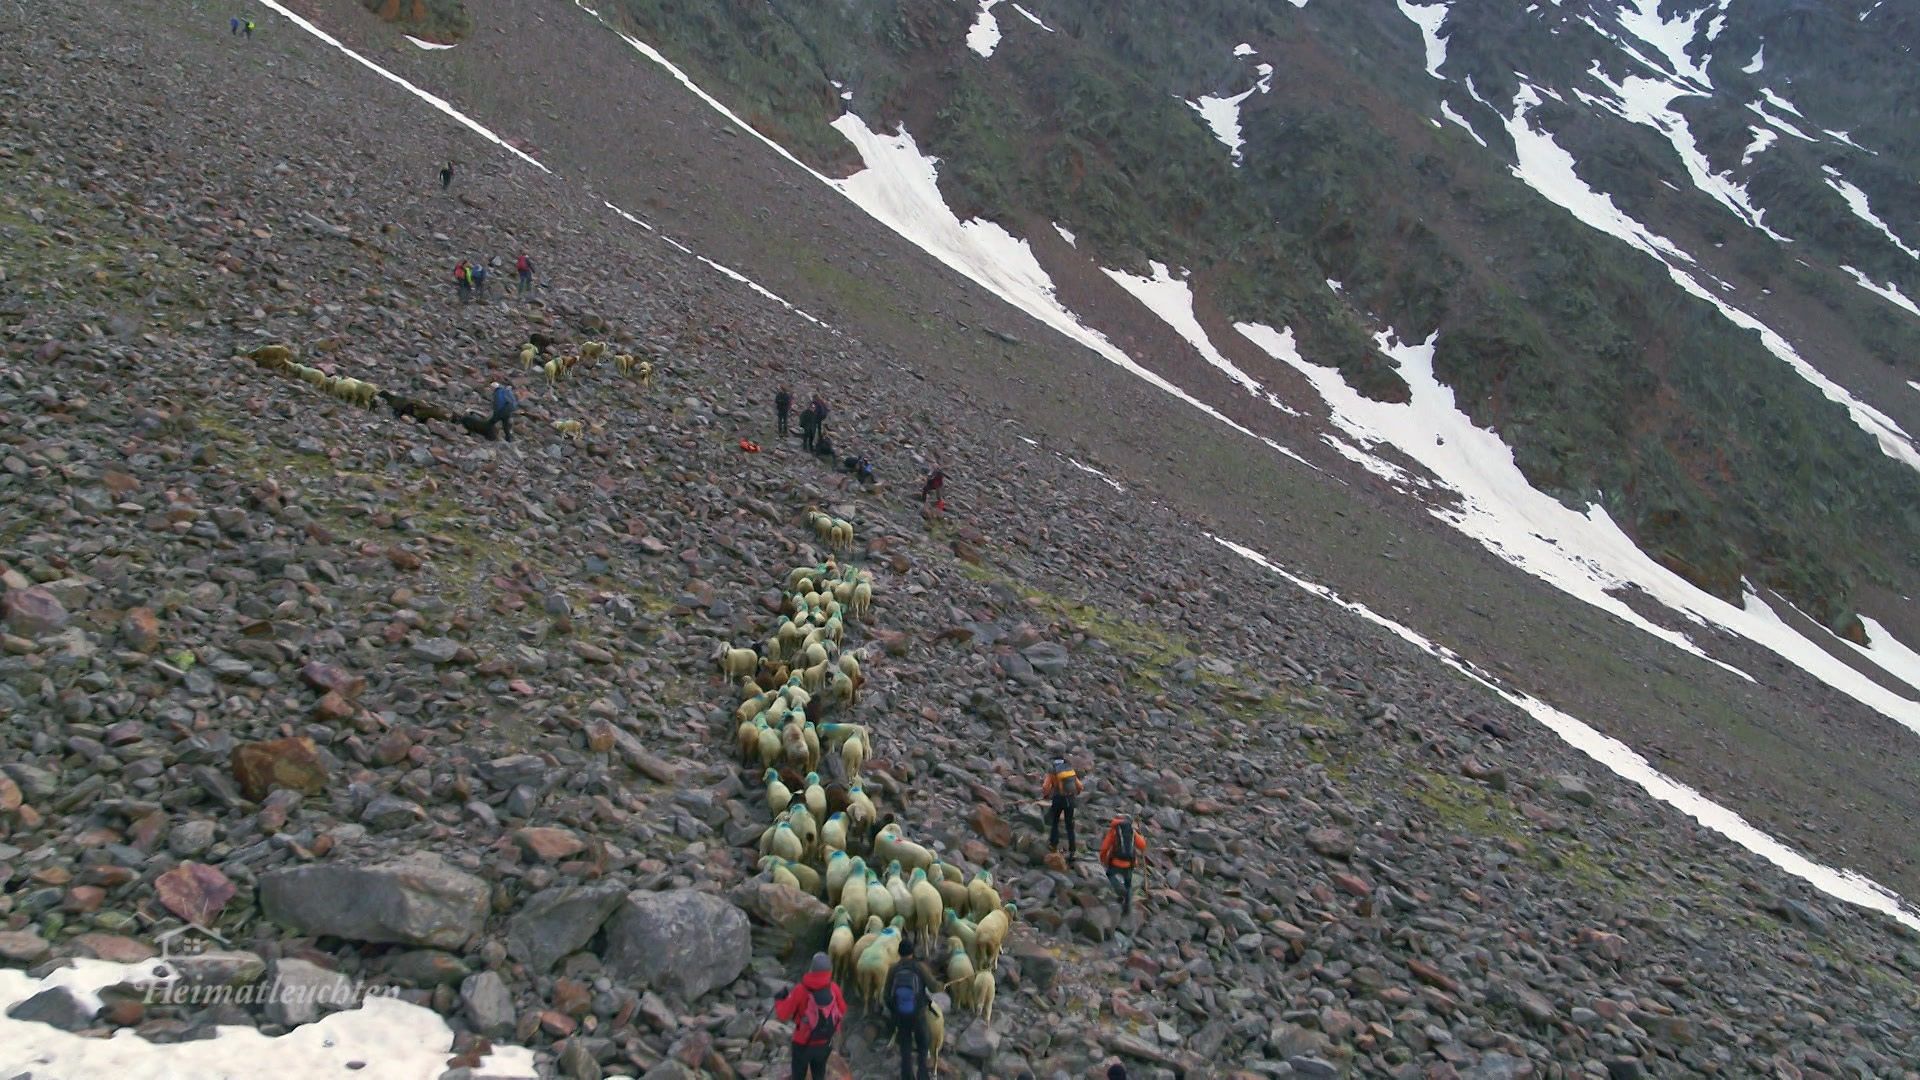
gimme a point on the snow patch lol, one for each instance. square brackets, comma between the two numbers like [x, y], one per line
[1762, 138]
[1887, 651]
[1335, 286]
[1243, 49]
[984, 35]
[439, 103]
[1670, 38]
[1780, 103]
[1857, 202]
[1760, 110]
[1429, 18]
[1032, 18]
[1758, 61]
[1584, 555]
[1889, 292]
[1065, 235]
[1111, 482]
[1222, 114]
[426, 44]
[743, 279]
[1172, 300]
[1446, 110]
[1626, 763]
[397, 1039]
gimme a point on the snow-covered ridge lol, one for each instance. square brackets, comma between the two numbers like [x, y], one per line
[1171, 299]
[1621, 759]
[1857, 202]
[1429, 18]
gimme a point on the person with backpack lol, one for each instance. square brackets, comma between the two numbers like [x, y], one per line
[809, 428]
[524, 267]
[463, 280]
[446, 176]
[908, 995]
[504, 406]
[1120, 851]
[817, 1009]
[782, 405]
[249, 29]
[1061, 789]
[479, 275]
[936, 479]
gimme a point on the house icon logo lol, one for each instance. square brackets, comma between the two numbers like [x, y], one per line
[187, 941]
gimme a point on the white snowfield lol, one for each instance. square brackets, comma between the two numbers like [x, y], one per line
[1624, 762]
[984, 35]
[1429, 18]
[1890, 291]
[1222, 114]
[384, 1037]
[1171, 299]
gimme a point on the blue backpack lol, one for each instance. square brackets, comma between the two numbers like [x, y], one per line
[905, 992]
[504, 402]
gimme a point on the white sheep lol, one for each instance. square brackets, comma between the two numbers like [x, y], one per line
[572, 429]
[739, 663]
[862, 602]
[529, 355]
[592, 350]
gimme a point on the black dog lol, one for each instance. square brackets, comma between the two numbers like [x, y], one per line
[419, 410]
[478, 425]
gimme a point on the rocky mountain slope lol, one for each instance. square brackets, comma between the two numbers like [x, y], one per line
[500, 657]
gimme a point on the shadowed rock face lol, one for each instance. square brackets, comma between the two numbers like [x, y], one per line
[412, 900]
[681, 941]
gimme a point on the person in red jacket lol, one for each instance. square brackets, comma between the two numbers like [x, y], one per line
[817, 1009]
[1120, 851]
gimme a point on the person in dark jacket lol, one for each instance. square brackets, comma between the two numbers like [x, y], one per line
[817, 1008]
[504, 406]
[233, 26]
[907, 996]
[782, 405]
[936, 479]
[446, 176]
[809, 428]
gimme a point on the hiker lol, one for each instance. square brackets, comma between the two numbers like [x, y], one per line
[1062, 789]
[823, 446]
[819, 409]
[525, 269]
[233, 26]
[249, 28]
[860, 467]
[936, 479]
[463, 278]
[907, 998]
[782, 405]
[817, 1008]
[1120, 850]
[479, 274]
[504, 406]
[446, 176]
[809, 427]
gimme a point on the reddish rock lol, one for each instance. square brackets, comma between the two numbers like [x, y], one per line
[336, 679]
[402, 559]
[293, 763]
[83, 899]
[573, 997]
[194, 891]
[124, 1012]
[10, 797]
[1352, 884]
[332, 707]
[548, 844]
[392, 748]
[557, 1024]
[1056, 862]
[975, 852]
[119, 483]
[140, 628]
[989, 826]
[1433, 976]
[120, 950]
[32, 612]
[22, 947]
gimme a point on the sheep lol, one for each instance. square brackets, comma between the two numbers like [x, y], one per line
[782, 841]
[646, 374]
[769, 748]
[896, 885]
[890, 845]
[960, 930]
[779, 796]
[870, 970]
[778, 872]
[839, 867]
[738, 663]
[841, 537]
[354, 391]
[989, 936]
[840, 944]
[879, 898]
[815, 677]
[571, 429]
[623, 361]
[833, 835]
[553, 368]
[853, 754]
[796, 874]
[982, 898]
[862, 602]
[983, 996]
[860, 813]
[959, 972]
[926, 907]
[853, 897]
[936, 1034]
[272, 356]
[312, 376]
[529, 355]
[842, 689]
[592, 350]
[822, 526]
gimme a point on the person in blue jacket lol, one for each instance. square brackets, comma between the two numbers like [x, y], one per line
[504, 406]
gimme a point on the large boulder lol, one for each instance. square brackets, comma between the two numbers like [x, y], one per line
[804, 918]
[680, 941]
[413, 900]
[556, 922]
[32, 612]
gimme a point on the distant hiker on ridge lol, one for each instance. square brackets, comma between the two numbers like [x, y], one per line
[782, 405]
[446, 176]
[478, 273]
[936, 480]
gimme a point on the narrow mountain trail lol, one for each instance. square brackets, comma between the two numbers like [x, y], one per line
[497, 658]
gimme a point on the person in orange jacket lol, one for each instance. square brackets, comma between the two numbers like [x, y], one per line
[1062, 790]
[1121, 850]
[818, 1009]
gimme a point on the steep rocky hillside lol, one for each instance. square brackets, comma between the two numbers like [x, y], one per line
[500, 657]
[1612, 386]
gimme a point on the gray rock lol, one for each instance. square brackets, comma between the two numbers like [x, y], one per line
[577, 1062]
[1048, 657]
[302, 991]
[190, 838]
[487, 1004]
[387, 812]
[439, 650]
[557, 922]
[979, 1042]
[1331, 842]
[679, 941]
[507, 773]
[36, 784]
[1573, 789]
[54, 1006]
[1497, 1066]
[33, 611]
[218, 967]
[1313, 1068]
[413, 900]
[668, 1069]
[803, 917]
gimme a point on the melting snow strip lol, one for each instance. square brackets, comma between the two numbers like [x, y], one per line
[1032, 18]
[1625, 762]
[1759, 60]
[427, 44]
[1171, 299]
[1889, 292]
[1429, 18]
[1857, 202]
[984, 35]
[1446, 110]
[1762, 138]
[1064, 234]
[437, 102]
[757, 287]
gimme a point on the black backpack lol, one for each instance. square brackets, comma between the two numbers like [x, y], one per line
[826, 1019]
[1123, 849]
[906, 989]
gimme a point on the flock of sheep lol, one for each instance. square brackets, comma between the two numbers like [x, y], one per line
[281, 359]
[825, 838]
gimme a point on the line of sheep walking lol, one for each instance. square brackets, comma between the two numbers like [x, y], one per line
[826, 837]
[280, 358]
[561, 364]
